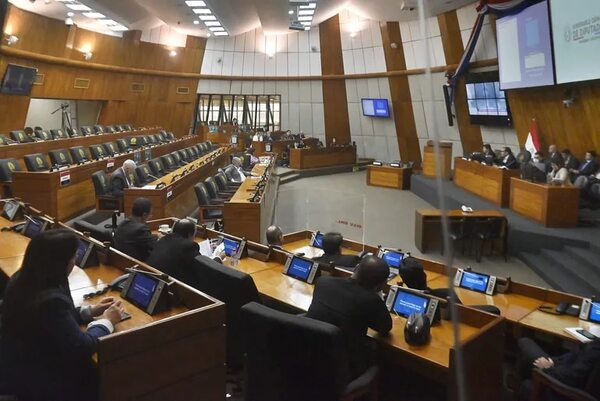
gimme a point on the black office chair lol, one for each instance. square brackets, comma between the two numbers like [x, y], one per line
[73, 133]
[110, 148]
[7, 167]
[462, 230]
[5, 141]
[161, 138]
[184, 155]
[109, 129]
[228, 173]
[60, 157]
[134, 142]
[123, 145]
[143, 174]
[209, 212]
[221, 181]
[233, 287]
[58, 134]
[97, 152]
[128, 127]
[491, 230]
[279, 345]
[79, 155]
[43, 135]
[168, 163]
[214, 193]
[98, 129]
[150, 139]
[524, 157]
[37, 128]
[170, 136]
[156, 167]
[20, 136]
[547, 388]
[85, 131]
[177, 159]
[36, 162]
[194, 152]
[104, 199]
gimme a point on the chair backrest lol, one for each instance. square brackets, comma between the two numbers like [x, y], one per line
[98, 129]
[177, 158]
[202, 194]
[36, 162]
[168, 162]
[97, 152]
[184, 155]
[524, 156]
[231, 286]
[170, 136]
[202, 147]
[229, 171]
[4, 140]
[7, 167]
[221, 181]
[58, 133]
[43, 135]
[37, 128]
[280, 345]
[211, 187]
[193, 151]
[123, 145]
[85, 131]
[135, 141]
[72, 133]
[156, 167]
[143, 174]
[161, 137]
[109, 129]
[110, 148]
[79, 155]
[20, 136]
[101, 183]
[60, 157]
[150, 139]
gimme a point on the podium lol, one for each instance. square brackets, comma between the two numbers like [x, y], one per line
[429, 165]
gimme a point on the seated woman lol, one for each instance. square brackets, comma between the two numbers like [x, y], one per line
[44, 355]
[507, 159]
[558, 175]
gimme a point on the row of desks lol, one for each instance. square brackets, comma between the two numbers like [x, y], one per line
[308, 158]
[181, 352]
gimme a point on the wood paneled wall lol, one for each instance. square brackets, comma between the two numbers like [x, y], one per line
[404, 117]
[157, 104]
[335, 98]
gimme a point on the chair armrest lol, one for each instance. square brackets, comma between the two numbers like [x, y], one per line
[542, 379]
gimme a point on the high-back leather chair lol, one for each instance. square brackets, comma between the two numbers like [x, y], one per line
[7, 167]
[214, 192]
[184, 155]
[73, 133]
[60, 157]
[170, 136]
[134, 142]
[279, 345]
[109, 129]
[177, 158]
[546, 387]
[79, 154]
[98, 129]
[104, 199]
[123, 145]
[221, 182]
[43, 135]
[161, 138]
[156, 167]
[150, 139]
[58, 133]
[168, 163]
[194, 152]
[128, 127]
[5, 141]
[98, 152]
[208, 212]
[20, 136]
[86, 130]
[36, 162]
[143, 174]
[110, 148]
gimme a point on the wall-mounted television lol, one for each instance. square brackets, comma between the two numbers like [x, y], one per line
[18, 80]
[487, 103]
[375, 108]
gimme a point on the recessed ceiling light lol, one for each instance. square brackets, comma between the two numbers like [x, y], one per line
[202, 11]
[108, 22]
[70, 14]
[192, 3]
[196, 22]
[172, 53]
[118, 28]
[305, 18]
[311, 5]
[212, 23]
[94, 14]
[78, 7]
[306, 12]
[291, 12]
[217, 29]
[221, 34]
[305, 23]
[208, 35]
[207, 17]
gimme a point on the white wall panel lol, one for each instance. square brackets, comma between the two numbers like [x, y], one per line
[282, 69]
[368, 57]
[283, 90]
[270, 66]
[229, 43]
[376, 33]
[259, 64]
[379, 60]
[238, 63]
[259, 88]
[292, 43]
[365, 36]
[282, 43]
[351, 91]
[304, 92]
[318, 119]
[240, 41]
[354, 115]
[348, 58]
[316, 90]
[227, 62]
[250, 43]
[303, 64]
[303, 42]
[315, 63]
[359, 61]
[405, 32]
[259, 41]
[219, 43]
[247, 87]
[294, 120]
[248, 65]
[294, 92]
[292, 64]
[314, 38]
[236, 88]
[306, 118]
[207, 62]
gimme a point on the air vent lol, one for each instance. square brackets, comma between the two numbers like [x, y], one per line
[183, 90]
[39, 79]
[82, 83]
[138, 87]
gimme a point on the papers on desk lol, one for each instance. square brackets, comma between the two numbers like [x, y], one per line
[575, 332]
[208, 248]
[149, 187]
[205, 248]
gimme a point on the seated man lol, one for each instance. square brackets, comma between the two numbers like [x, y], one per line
[332, 252]
[274, 237]
[571, 368]
[587, 168]
[507, 159]
[122, 178]
[237, 175]
[133, 237]
[353, 304]
[554, 156]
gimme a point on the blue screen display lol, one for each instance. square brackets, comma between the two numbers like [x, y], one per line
[595, 312]
[82, 247]
[231, 246]
[407, 303]
[318, 241]
[300, 268]
[474, 281]
[393, 259]
[375, 107]
[33, 227]
[141, 290]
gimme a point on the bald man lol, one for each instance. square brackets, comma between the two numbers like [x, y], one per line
[274, 236]
[123, 177]
[237, 174]
[354, 305]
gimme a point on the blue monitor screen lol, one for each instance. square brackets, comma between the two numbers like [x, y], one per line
[141, 290]
[300, 268]
[318, 241]
[474, 281]
[407, 303]
[375, 107]
[393, 259]
[82, 248]
[595, 312]
[231, 246]
[33, 227]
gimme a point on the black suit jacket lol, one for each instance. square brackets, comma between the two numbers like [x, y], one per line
[574, 367]
[175, 256]
[339, 260]
[571, 163]
[510, 163]
[118, 183]
[586, 168]
[134, 239]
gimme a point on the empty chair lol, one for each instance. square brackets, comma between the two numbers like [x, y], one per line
[213, 191]
[194, 152]
[37, 128]
[168, 163]
[123, 128]
[221, 181]
[36, 162]
[156, 167]
[73, 133]
[98, 152]
[43, 135]
[490, 230]
[177, 159]
[109, 129]
[209, 212]
[104, 200]
[58, 134]
[170, 136]
[20, 136]
[184, 155]
[203, 148]
[79, 155]
[123, 145]
[199, 149]
[60, 157]
[150, 139]
[7, 167]
[110, 148]
[161, 138]
[143, 174]
[462, 230]
[86, 130]
[140, 141]
[98, 129]
[5, 141]
[279, 345]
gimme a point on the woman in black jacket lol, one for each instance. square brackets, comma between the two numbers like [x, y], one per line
[44, 355]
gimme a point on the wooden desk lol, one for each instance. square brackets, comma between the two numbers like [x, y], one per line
[44, 191]
[550, 205]
[489, 182]
[428, 225]
[307, 158]
[224, 139]
[178, 197]
[246, 219]
[429, 160]
[389, 177]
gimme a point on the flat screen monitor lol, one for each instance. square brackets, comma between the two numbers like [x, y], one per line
[392, 258]
[18, 80]
[407, 303]
[317, 240]
[231, 246]
[301, 268]
[474, 281]
[34, 226]
[82, 255]
[141, 290]
[486, 101]
[576, 39]
[525, 49]
[375, 108]
[594, 312]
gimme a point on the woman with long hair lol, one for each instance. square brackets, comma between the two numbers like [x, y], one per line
[44, 355]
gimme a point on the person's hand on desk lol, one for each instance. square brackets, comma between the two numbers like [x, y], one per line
[115, 313]
[100, 308]
[543, 363]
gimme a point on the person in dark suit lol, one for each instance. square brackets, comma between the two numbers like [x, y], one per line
[571, 161]
[507, 159]
[44, 355]
[587, 168]
[572, 368]
[554, 156]
[332, 252]
[133, 237]
[274, 236]
[489, 157]
[123, 177]
[354, 305]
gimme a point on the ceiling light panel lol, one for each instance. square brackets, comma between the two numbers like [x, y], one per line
[78, 7]
[306, 12]
[212, 23]
[205, 14]
[94, 15]
[220, 34]
[207, 18]
[202, 11]
[302, 15]
[192, 3]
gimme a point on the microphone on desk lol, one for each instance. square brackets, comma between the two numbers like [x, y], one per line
[153, 177]
[134, 269]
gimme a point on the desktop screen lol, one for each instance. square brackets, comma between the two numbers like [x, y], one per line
[33, 227]
[595, 312]
[474, 281]
[375, 107]
[141, 290]
[530, 63]
[407, 303]
[231, 246]
[82, 248]
[318, 241]
[300, 268]
[393, 259]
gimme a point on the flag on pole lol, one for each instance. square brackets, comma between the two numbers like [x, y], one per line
[532, 144]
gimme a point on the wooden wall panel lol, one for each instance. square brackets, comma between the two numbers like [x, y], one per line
[470, 135]
[404, 118]
[335, 99]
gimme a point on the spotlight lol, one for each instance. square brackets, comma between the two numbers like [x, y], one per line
[172, 53]
[11, 39]
[291, 12]
[196, 22]
[88, 56]
[69, 21]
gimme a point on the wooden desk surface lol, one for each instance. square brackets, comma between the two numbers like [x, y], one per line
[246, 189]
[554, 324]
[303, 246]
[460, 213]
